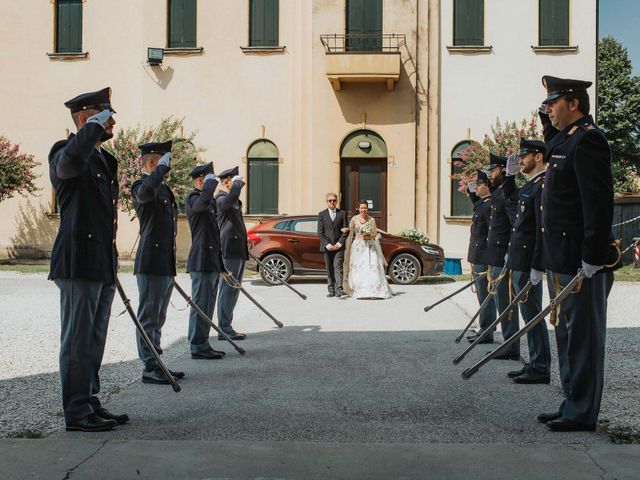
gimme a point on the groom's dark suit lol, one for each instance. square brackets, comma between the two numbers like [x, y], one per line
[329, 233]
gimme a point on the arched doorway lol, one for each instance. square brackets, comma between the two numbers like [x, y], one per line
[363, 174]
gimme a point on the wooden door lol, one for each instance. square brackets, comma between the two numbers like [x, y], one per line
[364, 179]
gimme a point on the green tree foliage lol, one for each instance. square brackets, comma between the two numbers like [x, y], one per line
[504, 140]
[185, 156]
[619, 112]
[16, 171]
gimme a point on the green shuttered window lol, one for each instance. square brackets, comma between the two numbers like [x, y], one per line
[364, 25]
[468, 22]
[69, 26]
[263, 16]
[182, 23]
[263, 186]
[461, 206]
[554, 23]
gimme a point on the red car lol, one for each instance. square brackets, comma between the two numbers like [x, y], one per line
[289, 245]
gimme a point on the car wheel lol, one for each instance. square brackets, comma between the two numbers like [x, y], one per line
[404, 269]
[279, 264]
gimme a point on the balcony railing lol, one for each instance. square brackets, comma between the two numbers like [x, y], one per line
[363, 43]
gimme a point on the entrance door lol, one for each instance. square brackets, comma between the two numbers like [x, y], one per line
[364, 25]
[365, 179]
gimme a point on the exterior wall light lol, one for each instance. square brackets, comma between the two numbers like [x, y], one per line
[155, 56]
[364, 145]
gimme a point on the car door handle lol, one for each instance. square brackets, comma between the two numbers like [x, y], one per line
[292, 240]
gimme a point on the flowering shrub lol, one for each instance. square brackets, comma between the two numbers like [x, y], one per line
[504, 140]
[415, 235]
[16, 171]
[185, 156]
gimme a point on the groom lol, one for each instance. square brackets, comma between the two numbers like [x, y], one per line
[332, 230]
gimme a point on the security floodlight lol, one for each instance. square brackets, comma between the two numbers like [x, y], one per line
[155, 56]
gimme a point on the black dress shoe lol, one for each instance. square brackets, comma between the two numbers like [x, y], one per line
[233, 335]
[531, 377]
[210, 354]
[565, 425]
[548, 417]
[107, 415]
[517, 373]
[92, 423]
[177, 375]
[155, 376]
[331, 294]
[507, 356]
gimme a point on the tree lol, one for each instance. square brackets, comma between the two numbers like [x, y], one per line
[184, 156]
[16, 171]
[504, 141]
[619, 112]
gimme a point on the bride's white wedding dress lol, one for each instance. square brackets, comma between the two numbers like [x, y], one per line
[367, 277]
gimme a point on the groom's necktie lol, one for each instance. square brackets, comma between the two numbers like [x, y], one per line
[332, 214]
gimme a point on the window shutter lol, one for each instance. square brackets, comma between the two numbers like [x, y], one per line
[468, 24]
[69, 28]
[182, 23]
[264, 23]
[263, 186]
[554, 22]
[271, 23]
[364, 17]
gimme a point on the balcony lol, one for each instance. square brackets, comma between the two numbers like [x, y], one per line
[363, 58]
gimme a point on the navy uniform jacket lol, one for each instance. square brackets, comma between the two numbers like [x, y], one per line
[479, 230]
[330, 231]
[86, 186]
[157, 213]
[502, 216]
[205, 254]
[233, 232]
[577, 199]
[524, 251]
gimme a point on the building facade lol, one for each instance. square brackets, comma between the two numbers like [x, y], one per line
[366, 98]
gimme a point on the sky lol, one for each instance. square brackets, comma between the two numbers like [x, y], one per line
[621, 20]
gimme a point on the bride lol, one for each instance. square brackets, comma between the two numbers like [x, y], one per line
[364, 264]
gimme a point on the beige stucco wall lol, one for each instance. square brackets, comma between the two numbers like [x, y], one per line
[231, 98]
[505, 83]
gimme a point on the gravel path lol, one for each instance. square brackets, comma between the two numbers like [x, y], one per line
[346, 371]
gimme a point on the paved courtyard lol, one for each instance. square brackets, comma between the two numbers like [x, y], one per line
[371, 376]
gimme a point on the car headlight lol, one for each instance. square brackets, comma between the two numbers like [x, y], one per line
[430, 250]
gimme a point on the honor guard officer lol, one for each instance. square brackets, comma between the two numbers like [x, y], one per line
[155, 264]
[235, 252]
[205, 258]
[524, 252]
[84, 256]
[480, 195]
[577, 212]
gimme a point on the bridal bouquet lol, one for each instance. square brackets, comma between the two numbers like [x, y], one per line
[367, 231]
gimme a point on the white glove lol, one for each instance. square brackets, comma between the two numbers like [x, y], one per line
[506, 257]
[590, 270]
[238, 177]
[100, 118]
[210, 176]
[536, 276]
[165, 160]
[472, 187]
[543, 109]
[513, 165]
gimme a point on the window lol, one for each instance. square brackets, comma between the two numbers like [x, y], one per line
[554, 23]
[305, 226]
[364, 25]
[282, 225]
[182, 24]
[263, 178]
[468, 22]
[263, 20]
[461, 206]
[69, 26]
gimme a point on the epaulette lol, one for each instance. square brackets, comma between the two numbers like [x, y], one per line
[588, 127]
[572, 131]
[538, 179]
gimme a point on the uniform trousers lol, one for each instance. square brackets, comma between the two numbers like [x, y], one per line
[510, 323]
[538, 337]
[155, 294]
[85, 307]
[488, 313]
[204, 288]
[580, 337]
[227, 295]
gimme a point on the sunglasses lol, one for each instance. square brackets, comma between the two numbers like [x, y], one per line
[332, 200]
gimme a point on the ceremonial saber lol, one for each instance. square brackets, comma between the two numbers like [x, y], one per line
[238, 285]
[489, 329]
[275, 275]
[145, 338]
[566, 291]
[204, 317]
[472, 282]
[486, 300]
